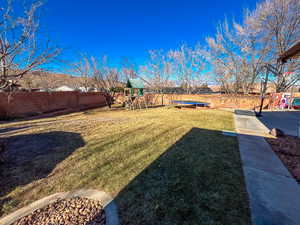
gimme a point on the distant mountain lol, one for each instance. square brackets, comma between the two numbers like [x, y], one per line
[46, 80]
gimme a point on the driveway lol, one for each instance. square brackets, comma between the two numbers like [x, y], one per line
[286, 121]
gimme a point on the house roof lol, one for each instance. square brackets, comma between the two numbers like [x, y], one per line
[135, 83]
[64, 88]
[292, 52]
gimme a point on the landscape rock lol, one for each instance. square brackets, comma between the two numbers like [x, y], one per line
[277, 132]
[73, 211]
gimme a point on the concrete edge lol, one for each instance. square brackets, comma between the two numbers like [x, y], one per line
[106, 200]
[229, 133]
[264, 132]
[264, 127]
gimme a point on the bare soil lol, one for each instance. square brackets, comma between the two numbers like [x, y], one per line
[287, 149]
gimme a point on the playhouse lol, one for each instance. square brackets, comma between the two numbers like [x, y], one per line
[134, 94]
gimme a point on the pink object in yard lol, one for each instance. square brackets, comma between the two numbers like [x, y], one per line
[284, 103]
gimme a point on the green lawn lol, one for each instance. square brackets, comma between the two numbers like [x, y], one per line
[163, 165]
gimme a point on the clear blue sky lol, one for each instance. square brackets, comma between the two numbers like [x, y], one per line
[130, 28]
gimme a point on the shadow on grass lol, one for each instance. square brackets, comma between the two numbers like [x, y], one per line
[10, 129]
[32, 157]
[198, 180]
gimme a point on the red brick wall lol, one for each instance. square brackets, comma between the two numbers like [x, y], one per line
[26, 104]
[215, 100]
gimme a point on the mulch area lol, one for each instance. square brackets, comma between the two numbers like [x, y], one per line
[287, 149]
[73, 211]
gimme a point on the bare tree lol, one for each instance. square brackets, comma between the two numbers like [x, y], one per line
[20, 49]
[238, 53]
[129, 69]
[84, 69]
[97, 73]
[236, 58]
[187, 65]
[46, 80]
[277, 24]
[157, 70]
[105, 77]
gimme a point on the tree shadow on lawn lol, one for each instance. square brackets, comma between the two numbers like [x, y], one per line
[32, 157]
[198, 180]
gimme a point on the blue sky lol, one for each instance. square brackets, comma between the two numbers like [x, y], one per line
[129, 28]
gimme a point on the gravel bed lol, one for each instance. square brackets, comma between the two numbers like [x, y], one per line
[73, 211]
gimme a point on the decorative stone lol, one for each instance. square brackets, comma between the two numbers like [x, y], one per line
[57, 209]
[277, 132]
[57, 213]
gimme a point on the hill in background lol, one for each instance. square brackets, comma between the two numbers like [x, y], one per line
[46, 80]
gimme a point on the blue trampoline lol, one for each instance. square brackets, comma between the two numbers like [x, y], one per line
[191, 103]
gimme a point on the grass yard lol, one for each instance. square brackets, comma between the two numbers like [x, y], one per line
[163, 165]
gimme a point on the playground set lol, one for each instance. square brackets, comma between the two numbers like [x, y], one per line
[134, 95]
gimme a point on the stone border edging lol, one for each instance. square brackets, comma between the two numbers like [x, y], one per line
[107, 202]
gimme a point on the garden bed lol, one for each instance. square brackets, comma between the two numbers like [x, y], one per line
[287, 149]
[75, 210]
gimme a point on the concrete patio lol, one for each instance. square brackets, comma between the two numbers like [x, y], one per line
[287, 121]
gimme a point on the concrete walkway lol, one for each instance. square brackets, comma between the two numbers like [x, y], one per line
[273, 193]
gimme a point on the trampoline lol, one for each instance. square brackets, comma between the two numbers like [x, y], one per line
[191, 103]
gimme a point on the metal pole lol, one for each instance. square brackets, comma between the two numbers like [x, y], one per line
[263, 92]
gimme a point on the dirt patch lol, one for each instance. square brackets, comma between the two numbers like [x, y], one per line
[67, 211]
[287, 149]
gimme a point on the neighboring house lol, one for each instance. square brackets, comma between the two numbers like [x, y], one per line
[45, 90]
[86, 89]
[64, 88]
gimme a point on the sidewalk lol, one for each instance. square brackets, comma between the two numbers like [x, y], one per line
[273, 193]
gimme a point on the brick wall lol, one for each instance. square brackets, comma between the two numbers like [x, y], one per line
[215, 100]
[27, 104]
